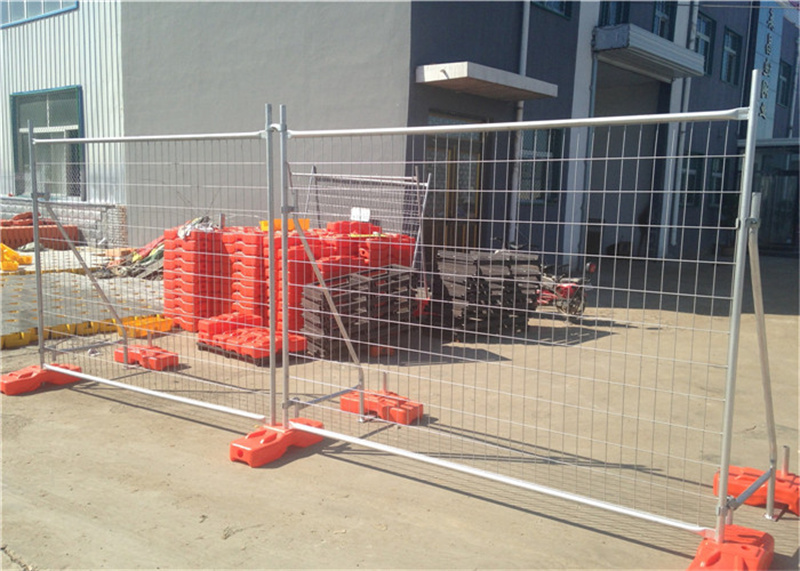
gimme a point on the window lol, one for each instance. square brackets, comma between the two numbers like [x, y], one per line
[692, 182]
[19, 11]
[731, 57]
[614, 13]
[704, 43]
[542, 162]
[54, 114]
[716, 178]
[563, 8]
[784, 84]
[664, 19]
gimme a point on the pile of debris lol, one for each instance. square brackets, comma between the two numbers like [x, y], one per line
[146, 262]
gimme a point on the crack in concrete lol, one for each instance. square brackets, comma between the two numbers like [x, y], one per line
[16, 560]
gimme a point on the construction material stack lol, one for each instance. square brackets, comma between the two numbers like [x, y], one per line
[216, 283]
[244, 247]
[196, 276]
[482, 292]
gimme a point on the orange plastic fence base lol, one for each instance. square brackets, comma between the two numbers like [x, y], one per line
[743, 549]
[383, 404]
[787, 487]
[148, 356]
[269, 443]
[31, 378]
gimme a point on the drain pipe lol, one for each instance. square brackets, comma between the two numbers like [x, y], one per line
[513, 211]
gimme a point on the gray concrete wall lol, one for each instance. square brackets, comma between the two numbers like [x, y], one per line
[212, 67]
[209, 67]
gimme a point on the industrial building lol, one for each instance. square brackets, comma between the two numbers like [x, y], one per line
[111, 69]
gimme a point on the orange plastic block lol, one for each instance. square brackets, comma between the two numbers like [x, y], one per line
[269, 443]
[148, 356]
[743, 549]
[383, 404]
[31, 378]
[787, 487]
[207, 328]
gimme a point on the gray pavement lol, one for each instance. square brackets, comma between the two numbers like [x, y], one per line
[69, 294]
[98, 477]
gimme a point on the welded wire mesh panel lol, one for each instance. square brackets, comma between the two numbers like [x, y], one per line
[151, 287]
[561, 319]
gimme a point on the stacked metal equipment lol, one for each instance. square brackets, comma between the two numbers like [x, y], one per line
[375, 306]
[488, 292]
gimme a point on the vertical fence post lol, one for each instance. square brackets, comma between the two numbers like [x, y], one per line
[273, 271]
[37, 247]
[723, 509]
[285, 209]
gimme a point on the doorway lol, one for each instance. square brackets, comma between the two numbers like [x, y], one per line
[453, 161]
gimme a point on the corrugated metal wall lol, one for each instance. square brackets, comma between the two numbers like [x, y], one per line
[78, 47]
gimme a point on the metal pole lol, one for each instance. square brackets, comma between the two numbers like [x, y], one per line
[37, 247]
[273, 272]
[761, 334]
[159, 394]
[736, 311]
[285, 209]
[736, 114]
[464, 469]
[513, 211]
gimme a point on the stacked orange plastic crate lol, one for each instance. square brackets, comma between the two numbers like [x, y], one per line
[244, 247]
[196, 273]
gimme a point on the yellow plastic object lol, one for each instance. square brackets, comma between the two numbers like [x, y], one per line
[20, 339]
[107, 326]
[87, 328]
[11, 260]
[305, 224]
[144, 326]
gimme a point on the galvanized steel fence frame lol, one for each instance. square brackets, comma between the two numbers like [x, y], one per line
[562, 462]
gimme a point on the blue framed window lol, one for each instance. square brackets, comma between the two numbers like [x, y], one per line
[13, 12]
[562, 8]
[785, 83]
[664, 19]
[731, 57]
[614, 13]
[704, 44]
[53, 114]
[543, 164]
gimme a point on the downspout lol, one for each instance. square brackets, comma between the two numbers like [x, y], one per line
[686, 86]
[513, 211]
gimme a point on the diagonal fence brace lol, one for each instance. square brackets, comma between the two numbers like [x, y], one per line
[383, 404]
[787, 487]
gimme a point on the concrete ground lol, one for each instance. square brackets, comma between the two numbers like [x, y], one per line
[98, 477]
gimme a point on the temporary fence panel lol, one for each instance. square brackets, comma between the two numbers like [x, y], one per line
[131, 307]
[497, 351]
[553, 305]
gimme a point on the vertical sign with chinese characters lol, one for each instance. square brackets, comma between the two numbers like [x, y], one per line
[767, 61]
